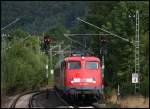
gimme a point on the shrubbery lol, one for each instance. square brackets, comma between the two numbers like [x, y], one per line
[23, 67]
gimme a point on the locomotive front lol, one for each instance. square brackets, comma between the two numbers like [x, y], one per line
[83, 76]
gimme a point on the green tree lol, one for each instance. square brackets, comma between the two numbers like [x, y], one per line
[23, 66]
[120, 58]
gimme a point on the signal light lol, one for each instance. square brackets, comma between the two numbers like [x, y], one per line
[46, 41]
[103, 40]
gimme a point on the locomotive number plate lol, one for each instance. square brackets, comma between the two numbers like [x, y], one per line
[83, 80]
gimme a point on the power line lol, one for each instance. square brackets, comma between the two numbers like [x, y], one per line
[86, 34]
[66, 35]
[17, 19]
[103, 30]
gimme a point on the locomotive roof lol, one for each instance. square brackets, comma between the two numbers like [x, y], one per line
[77, 58]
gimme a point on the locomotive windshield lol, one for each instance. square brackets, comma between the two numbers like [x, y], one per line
[92, 65]
[74, 65]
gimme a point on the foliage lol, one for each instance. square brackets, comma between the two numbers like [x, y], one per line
[23, 66]
[56, 33]
[38, 16]
[119, 59]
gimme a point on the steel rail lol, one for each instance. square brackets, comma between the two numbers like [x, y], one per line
[18, 97]
[31, 99]
[62, 100]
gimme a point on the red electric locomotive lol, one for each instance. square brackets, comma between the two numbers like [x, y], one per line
[79, 75]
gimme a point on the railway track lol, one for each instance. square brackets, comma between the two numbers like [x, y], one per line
[79, 105]
[42, 100]
[38, 99]
[32, 98]
[13, 105]
[28, 95]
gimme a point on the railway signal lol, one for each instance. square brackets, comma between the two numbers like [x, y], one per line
[103, 39]
[103, 43]
[103, 49]
[47, 42]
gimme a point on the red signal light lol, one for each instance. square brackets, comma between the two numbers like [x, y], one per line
[47, 40]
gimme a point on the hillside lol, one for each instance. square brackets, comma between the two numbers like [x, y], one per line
[38, 16]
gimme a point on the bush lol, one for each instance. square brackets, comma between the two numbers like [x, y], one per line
[23, 68]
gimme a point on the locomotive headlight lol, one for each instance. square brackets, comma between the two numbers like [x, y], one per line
[94, 81]
[75, 80]
[72, 81]
[83, 57]
[89, 80]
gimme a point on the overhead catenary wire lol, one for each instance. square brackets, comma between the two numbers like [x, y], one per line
[62, 51]
[66, 35]
[89, 34]
[17, 19]
[104, 30]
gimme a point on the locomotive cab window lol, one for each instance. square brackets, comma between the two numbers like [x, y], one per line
[74, 65]
[91, 65]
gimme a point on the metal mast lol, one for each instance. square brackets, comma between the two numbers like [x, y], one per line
[137, 63]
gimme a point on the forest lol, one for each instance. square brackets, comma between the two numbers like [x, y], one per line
[23, 65]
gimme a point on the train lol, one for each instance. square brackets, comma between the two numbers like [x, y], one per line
[79, 76]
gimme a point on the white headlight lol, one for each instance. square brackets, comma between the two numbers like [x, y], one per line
[94, 81]
[89, 80]
[76, 79]
[82, 57]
